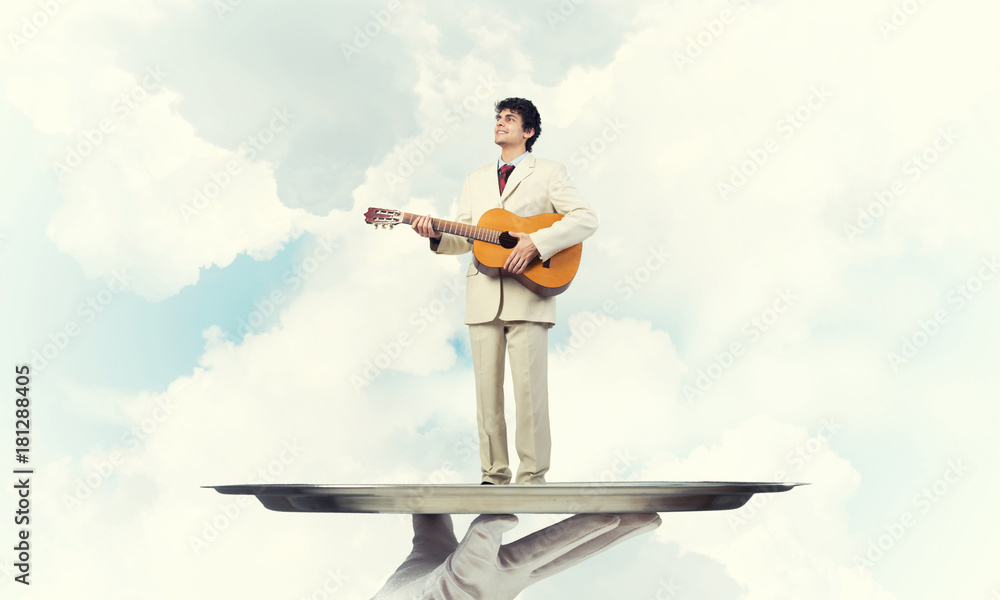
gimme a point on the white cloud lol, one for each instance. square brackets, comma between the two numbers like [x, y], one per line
[618, 404]
[155, 200]
[801, 534]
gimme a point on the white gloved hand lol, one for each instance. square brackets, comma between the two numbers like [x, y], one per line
[439, 568]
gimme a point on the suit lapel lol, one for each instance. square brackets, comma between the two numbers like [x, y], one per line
[523, 169]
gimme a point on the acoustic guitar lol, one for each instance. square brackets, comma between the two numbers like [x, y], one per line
[492, 243]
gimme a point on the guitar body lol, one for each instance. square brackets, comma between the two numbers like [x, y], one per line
[493, 242]
[545, 279]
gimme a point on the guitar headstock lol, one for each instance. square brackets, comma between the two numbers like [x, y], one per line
[384, 217]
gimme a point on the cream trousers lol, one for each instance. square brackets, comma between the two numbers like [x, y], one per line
[526, 343]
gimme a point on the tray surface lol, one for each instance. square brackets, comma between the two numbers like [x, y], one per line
[553, 498]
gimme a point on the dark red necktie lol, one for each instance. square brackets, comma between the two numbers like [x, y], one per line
[504, 174]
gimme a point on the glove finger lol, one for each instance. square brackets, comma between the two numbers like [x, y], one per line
[433, 541]
[481, 544]
[433, 535]
[546, 545]
[630, 525]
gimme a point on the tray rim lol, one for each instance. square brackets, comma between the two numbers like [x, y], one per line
[462, 498]
[557, 488]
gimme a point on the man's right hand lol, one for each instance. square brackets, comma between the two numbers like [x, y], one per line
[441, 568]
[422, 225]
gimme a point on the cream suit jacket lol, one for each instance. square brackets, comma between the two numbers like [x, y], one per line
[535, 186]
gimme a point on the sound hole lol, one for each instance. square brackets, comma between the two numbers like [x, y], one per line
[547, 263]
[507, 240]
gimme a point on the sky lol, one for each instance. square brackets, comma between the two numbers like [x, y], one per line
[794, 279]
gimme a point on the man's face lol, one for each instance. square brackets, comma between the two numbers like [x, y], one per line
[508, 131]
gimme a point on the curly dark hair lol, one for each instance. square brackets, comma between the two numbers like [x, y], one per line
[530, 118]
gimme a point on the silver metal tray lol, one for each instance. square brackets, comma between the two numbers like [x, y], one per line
[553, 498]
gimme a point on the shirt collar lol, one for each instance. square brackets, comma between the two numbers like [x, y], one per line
[514, 162]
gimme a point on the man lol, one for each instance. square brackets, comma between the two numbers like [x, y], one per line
[499, 310]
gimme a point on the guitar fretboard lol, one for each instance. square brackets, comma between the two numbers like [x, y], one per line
[482, 234]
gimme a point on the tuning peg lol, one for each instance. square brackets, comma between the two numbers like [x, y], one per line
[391, 226]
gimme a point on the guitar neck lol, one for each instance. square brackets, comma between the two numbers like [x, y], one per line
[482, 234]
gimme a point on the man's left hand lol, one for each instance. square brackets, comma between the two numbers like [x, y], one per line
[522, 254]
